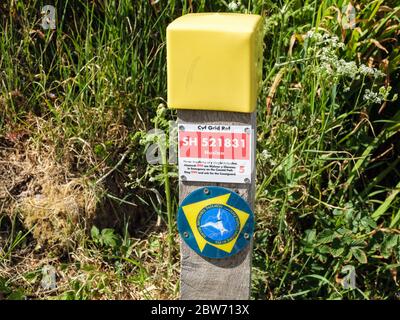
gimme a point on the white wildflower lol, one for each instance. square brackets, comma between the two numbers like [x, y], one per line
[314, 35]
[346, 69]
[366, 71]
[309, 34]
[265, 154]
[372, 72]
[233, 6]
[371, 96]
[331, 69]
[379, 74]
[334, 41]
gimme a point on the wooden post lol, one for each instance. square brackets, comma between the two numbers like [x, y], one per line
[214, 70]
[229, 278]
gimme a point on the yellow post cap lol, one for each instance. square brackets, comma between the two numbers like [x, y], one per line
[214, 61]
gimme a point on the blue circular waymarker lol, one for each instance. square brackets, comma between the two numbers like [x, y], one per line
[215, 222]
[218, 224]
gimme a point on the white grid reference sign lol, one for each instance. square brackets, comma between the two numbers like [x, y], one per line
[215, 153]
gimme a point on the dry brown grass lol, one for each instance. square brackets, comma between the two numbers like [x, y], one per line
[48, 199]
[40, 189]
[89, 276]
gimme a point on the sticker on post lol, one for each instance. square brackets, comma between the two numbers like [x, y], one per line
[215, 222]
[215, 153]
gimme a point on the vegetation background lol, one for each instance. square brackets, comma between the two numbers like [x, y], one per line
[82, 214]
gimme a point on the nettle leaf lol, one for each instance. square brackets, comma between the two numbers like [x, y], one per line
[326, 236]
[359, 254]
[308, 249]
[321, 257]
[3, 286]
[344, 232]
[388, 244]
[308, 241]
[17, 295]
[310, 235]
[108, 237]
[337, 212]
[324, 249]
[95, 233]
[337, 252]
[368, 223]
[337, 248]
[349, 213]
[374, 246]
[358, 243]
[31, 277]
[348, 256]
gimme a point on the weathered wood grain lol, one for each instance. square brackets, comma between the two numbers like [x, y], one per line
[203, 278]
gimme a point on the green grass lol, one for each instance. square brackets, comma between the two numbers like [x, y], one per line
[80, 100]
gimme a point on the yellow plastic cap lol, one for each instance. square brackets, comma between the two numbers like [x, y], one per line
[214, 61]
